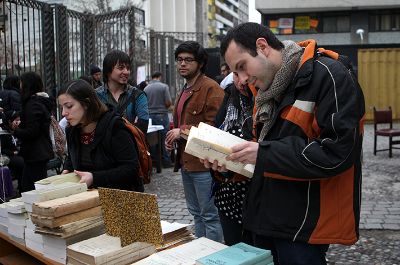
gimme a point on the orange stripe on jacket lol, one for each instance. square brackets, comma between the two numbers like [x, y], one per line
[336, 218]
[303, 119]
[329, 53]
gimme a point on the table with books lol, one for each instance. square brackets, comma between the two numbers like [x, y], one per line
[61, 222]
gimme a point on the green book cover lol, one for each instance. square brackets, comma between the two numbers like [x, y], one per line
[239, 254]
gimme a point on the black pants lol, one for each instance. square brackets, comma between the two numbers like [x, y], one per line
[33, 171]
[287, 252]
[232, 230]
[16, 167]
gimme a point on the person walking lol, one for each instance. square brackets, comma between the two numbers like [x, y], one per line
[159, 100]
[198, 102]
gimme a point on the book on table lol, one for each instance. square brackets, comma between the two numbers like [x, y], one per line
[186, 254]
[53, 192]
[105, 249]
[206, 141]
[238, 254]
[49, 182]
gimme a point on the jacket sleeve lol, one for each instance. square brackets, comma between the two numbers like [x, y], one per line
[34, 116]
[15, 101]
[68, 163]
[338, 111]
[123, 151]
[142, 111]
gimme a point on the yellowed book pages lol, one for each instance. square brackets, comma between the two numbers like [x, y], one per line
[105, 249]
[56, 191]
[212, 143]
[73, 228]
[67, 205]
[58, 221]
[56, 179]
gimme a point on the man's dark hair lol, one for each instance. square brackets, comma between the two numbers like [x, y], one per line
[111, 59]
[156, 75]
[193, 47]
[246, 35]
[31, 83]
[226, 66]
[11, 82]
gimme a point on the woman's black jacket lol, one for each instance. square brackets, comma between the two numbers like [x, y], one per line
[113, 154]
[34, 129]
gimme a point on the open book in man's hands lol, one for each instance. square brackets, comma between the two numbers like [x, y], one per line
[206, 141]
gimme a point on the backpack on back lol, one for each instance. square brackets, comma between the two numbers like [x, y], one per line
[143, 151]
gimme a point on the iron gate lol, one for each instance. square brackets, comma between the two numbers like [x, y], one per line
[60, 44]
[162, 46]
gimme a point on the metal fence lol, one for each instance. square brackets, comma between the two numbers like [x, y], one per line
[161, 48]
[60, 43]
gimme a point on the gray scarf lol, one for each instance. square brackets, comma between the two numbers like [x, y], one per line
[266, 98]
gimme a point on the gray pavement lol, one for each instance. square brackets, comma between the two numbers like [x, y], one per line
[379, 242]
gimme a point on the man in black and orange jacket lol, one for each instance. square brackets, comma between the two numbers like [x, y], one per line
[306, 189]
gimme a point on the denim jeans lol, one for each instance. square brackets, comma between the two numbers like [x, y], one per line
[197, 187]
[161, 119]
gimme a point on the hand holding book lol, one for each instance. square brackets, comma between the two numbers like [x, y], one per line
[217, 146]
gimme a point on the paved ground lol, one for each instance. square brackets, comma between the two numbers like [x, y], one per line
[379, 242]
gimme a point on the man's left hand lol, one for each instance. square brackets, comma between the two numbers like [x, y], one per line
[244, 152]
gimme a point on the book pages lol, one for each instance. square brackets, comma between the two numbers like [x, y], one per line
[185, 254]
[209, 142]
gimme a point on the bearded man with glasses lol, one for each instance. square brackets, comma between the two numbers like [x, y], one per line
[198, 102]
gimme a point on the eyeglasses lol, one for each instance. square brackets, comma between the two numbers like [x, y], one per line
[187, 60]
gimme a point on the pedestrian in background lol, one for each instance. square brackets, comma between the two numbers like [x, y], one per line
[33, 130]
[235, 117]
[198, 102]
[95, 75]
[159, 100]
[129, 101]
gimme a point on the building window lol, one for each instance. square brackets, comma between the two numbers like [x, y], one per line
[305, 24]
[308, 23]
[336, 24]
[384, 20]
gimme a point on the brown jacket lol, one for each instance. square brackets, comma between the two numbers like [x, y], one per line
[201, 106]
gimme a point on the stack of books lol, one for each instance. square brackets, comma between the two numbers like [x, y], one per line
[17, 217]
[105, 249]
[3, 218]
[174, 234]
[57, 212]
[65, 221]
[239, 254]
[34, 240]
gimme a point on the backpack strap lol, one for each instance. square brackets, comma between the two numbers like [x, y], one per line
[132, 97]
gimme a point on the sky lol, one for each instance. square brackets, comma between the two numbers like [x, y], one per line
[254, 15]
